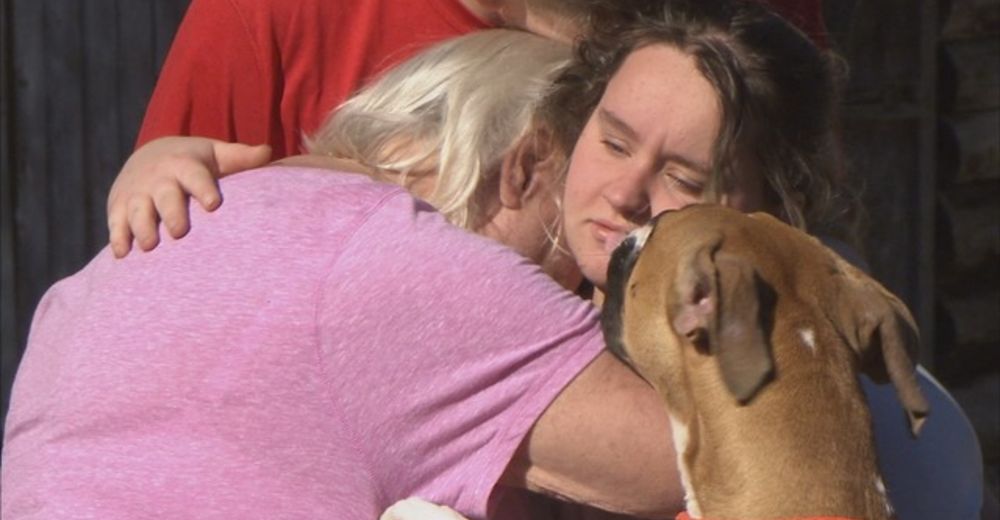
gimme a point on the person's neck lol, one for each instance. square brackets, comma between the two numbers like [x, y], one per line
[489, 11]
[501, 13]
[549, 25]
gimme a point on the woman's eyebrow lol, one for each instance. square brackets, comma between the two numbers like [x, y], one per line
[609, 118]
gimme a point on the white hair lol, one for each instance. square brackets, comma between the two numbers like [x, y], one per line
[455, 109]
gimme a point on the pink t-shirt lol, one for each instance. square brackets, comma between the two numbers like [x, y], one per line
[319, 347]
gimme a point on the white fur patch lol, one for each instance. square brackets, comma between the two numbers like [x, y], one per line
[641, 234]
[417, 509]
[680, 433]
[808, 338]
[880, 486]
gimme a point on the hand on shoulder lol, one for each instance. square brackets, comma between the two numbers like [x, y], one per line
[156, 181]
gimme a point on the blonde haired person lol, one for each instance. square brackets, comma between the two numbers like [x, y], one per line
[322, 345]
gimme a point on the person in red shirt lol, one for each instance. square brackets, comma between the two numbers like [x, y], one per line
[269, 71]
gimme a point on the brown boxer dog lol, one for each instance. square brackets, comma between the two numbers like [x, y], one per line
[754, 334]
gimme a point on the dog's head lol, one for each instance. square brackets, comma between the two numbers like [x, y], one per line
[699, 289]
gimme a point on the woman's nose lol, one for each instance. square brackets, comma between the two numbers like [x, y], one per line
[628, 194]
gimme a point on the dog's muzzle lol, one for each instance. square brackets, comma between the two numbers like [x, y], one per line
[619, 271]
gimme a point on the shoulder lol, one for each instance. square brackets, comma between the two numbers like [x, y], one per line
[290, 211]
[303, 187]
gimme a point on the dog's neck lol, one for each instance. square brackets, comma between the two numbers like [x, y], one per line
[760, 461]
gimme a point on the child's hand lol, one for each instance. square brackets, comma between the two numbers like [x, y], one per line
[157, 180]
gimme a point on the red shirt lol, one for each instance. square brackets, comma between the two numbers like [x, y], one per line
[267, 71]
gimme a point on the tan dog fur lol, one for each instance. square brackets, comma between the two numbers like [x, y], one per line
[754, 333]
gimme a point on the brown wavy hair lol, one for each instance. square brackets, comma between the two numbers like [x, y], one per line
[779, 98]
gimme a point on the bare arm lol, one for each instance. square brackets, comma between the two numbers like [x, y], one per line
[605, 441]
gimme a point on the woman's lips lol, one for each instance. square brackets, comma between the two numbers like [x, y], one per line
[609, 234]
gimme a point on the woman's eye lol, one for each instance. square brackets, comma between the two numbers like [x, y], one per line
[614, 147]
[685, 185]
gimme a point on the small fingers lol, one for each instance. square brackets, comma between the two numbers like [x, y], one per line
[200, 183]
[118, 231]
[171, 205]
[142, 221]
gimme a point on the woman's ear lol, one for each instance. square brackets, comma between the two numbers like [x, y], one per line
[526, 166]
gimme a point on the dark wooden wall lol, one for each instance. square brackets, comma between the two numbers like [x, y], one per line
[967, 263]
[76, 77]
[889, 120]
[922, 131]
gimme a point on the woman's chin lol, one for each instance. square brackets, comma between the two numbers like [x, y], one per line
[596, 274]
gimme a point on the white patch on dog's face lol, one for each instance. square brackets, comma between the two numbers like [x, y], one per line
[680, 434]
[641, 234]
[808, 339]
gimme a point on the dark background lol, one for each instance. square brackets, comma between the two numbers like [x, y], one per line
[922, 127]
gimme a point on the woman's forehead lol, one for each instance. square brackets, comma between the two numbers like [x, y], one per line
[661, 95]
[662, 75]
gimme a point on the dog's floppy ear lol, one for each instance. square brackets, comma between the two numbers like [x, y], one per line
[880, 329]
[718, 305]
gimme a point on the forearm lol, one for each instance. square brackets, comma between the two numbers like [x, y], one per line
[605, 441]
